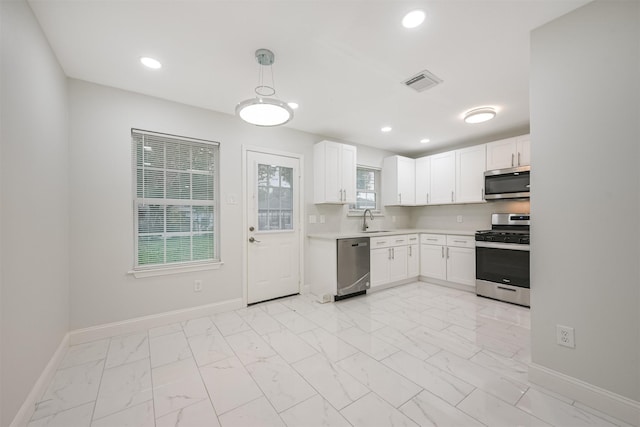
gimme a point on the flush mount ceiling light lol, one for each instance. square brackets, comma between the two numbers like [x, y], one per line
[152, 63]
[413, 19]
[479, 115]
[263, 110]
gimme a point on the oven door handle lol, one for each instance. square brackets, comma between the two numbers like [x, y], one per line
[507, 246]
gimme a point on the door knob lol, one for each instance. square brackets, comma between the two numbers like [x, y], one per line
[253, 240]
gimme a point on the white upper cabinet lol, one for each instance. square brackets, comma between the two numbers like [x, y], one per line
[423, 180]
[509, 153]
[443, 178]
[470, 164]
[523, 150]
[334, 173]
[399, 181]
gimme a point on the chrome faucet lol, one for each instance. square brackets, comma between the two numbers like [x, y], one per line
[364, 222]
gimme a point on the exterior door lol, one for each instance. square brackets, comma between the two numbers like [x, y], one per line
[273, 218]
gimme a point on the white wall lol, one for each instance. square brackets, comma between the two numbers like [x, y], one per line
[33, 205]
[586, 201]
[475, 216]
[101, 204]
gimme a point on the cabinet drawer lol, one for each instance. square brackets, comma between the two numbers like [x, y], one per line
[380, 242]
[433, 239]
[461, 241]
[400, 240]
[389, 241]
[412, 239]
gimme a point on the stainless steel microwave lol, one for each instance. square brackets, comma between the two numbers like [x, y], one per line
[510, 183]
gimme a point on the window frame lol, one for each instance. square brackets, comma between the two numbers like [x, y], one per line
[146, 270]
[377, 182]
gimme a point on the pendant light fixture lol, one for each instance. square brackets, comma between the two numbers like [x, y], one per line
[264, 109]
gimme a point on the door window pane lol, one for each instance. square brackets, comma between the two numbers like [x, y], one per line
[275, 198]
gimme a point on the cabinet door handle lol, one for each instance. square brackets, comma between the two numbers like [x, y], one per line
[400, 198]
[427, 197]
[512, 158]
[452, 197]
[410, 251]
[482, 194]
[518, 158]
[389, 253]
[442, 247]
[447, 252]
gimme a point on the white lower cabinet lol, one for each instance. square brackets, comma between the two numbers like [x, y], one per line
[393, 259]
[432, 261]
[380, 259]
[448, 257]
[413, 260]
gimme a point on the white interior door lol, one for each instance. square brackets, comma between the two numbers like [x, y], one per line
[273, 259]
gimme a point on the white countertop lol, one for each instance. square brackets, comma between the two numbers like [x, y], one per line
[352, 234]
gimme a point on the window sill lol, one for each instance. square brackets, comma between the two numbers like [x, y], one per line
[361, 213]
[165, 271]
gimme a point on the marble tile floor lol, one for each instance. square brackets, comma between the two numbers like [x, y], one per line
[413, 355]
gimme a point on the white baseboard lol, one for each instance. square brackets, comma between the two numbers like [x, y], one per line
[107, 330]
[29, 405]
[610, 403]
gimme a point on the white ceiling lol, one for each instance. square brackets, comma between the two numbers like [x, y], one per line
[343, 61]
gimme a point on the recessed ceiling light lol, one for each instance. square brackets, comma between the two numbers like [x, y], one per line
[424, 141]
[293, 105]
[479, 115]
[413, 19]
[386, 129]
[150, 62]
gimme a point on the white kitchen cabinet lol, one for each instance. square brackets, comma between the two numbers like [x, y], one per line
[448, 257]
[509, 153]
[443, 178]
[398, 263]
[413, 255]
[334, 173]
[380, 260]
[470, 166]
[399, 181]
[432, 258]
[423, 180]
[390, 259]
[523, 150]
[461, 265]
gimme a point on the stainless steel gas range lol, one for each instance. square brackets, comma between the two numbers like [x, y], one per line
[502, 259]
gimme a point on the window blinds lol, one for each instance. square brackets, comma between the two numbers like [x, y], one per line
[175, 199]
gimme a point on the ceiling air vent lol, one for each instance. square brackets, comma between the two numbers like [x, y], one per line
[422, 81]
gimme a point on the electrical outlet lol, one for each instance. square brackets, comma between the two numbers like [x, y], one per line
[459, 218]
[322, 219]
[197, 286]
[312, 219]
[565, 336]
[393, 218]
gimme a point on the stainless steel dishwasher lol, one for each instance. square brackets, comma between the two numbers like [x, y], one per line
[353, 267]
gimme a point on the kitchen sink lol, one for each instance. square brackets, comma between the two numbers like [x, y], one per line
[376, 231]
